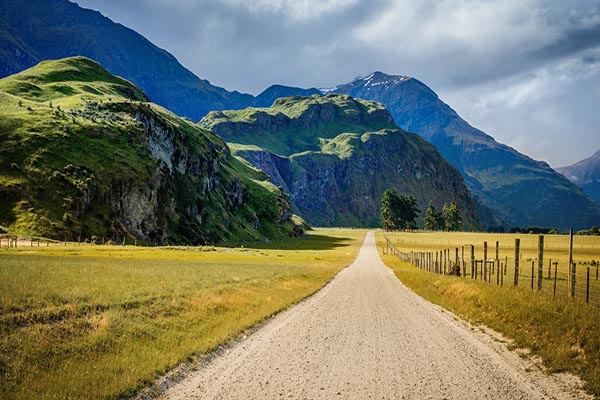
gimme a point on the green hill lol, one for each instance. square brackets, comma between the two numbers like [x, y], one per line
[335, 156]
[82, 154]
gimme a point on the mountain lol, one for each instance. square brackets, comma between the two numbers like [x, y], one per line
[586, 174]
[511, 188]
[83, 153]
[36, 30]
[336, 155]
[274, 92]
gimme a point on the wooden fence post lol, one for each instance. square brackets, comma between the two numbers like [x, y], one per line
[570, 256]
[456, 264]
[587, 287]
[485, 261]
[540, 261]
[517, 260]
[462, 259]
[473, 272]
[532, 273]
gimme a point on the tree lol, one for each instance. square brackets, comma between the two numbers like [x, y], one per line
[389, 210]
[452, 217]
[408, 212]
[434, 219]
[398, 212]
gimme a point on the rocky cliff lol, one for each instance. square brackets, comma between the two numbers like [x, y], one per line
[512, 188]
[82, 154]
[336, 155]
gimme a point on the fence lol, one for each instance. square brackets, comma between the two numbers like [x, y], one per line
[15, 241]
[552, 271]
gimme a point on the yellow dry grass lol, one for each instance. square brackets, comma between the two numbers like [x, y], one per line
[100, 322]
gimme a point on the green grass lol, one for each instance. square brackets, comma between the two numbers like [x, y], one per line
[72, 134]
[285, 129]
[101, 322]
[564, 333]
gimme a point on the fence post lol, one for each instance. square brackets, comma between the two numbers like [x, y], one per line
[456, 263]
[549, 268]
[573, 270]
[485, 261]
[517, 255]
[532, 273]
[587, 287]
[570, 256]
[473, 274]
[540, 261]
[462, 259]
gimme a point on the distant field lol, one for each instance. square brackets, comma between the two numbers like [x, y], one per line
[100, 322]
[586, 253]
[563, 331]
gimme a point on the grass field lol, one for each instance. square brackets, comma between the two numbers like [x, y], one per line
[565, 333]
[586, 253]
[100, 322]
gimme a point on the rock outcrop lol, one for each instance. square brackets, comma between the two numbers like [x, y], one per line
[336, 155]
[94, 162]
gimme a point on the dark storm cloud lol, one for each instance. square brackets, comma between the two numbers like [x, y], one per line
[570, 43]
[491, 60]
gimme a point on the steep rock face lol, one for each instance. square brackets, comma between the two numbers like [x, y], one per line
[94, 162]
[586, 174]
[336, 177]
[512, 189]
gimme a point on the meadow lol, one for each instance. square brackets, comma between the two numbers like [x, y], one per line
[102, 321]
[586, 255]
[563, 331]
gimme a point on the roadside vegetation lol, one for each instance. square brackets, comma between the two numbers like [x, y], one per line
[565, 333]
[101, 322]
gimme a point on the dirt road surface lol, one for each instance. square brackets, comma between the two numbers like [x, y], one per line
[366, 336]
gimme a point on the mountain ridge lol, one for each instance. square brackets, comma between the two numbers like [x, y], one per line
[586, 174]
[335, 155]
[514, 188]
[84, 154]
[36, 30]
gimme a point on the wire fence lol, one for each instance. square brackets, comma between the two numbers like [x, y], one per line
[551, 271]
[22, 241]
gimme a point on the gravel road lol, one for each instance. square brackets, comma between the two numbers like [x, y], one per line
[366, 336]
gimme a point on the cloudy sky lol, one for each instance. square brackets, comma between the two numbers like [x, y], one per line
[525, 71]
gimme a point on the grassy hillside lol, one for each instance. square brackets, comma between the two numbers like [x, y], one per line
[82, 154]
[335, 156]
[295, 124]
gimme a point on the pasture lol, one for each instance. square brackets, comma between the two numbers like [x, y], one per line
[563, 331]
[101, 322]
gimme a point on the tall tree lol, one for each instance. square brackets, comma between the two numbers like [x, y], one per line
[452, 217]
[408, 212]
[431, 217]
[389, 209]
[398, 212]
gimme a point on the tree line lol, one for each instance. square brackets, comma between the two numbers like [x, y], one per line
[400, 212]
